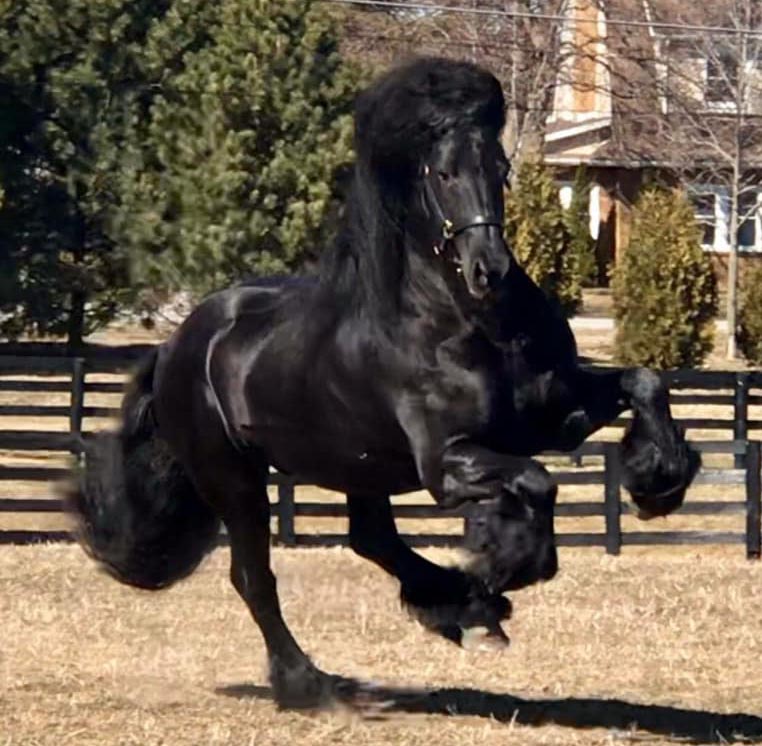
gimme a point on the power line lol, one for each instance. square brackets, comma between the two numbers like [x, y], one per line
[431, 41]
[459, 9]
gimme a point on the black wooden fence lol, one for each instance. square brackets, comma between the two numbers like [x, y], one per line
[73, 377]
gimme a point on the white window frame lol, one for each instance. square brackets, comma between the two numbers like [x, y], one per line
[566, 194]
[722, 219]
[714, 104]
[727, 105]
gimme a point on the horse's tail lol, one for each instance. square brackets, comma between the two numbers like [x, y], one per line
[138, 512]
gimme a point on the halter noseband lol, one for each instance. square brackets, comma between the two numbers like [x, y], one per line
[450, 229]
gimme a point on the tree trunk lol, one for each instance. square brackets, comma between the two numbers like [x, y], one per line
[76, 324]
[735, 194]
[732, 302]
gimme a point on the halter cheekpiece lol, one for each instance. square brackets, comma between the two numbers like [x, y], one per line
[450, 229]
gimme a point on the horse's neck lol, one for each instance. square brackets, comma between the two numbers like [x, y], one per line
[424, 287]
[429, 312]
[522, 311]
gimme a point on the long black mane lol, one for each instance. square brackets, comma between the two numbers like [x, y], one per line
[397, 122]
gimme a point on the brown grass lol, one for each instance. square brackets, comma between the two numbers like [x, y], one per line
[86, 661]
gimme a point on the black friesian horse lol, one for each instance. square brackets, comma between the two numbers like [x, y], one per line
[421, 356]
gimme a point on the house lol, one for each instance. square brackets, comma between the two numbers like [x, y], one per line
[650, 89]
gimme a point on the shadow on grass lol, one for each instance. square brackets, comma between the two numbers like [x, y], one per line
[685, 726]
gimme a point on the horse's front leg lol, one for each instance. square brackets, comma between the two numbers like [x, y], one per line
[510, 527]
[658, 465]
[446, 600]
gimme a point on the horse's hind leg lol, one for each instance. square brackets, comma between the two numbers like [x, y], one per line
[238, 489]
[445, 599]
[295, 681]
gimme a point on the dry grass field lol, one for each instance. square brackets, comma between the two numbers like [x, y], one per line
[656, 647]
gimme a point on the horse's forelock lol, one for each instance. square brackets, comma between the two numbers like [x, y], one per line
[403, 114]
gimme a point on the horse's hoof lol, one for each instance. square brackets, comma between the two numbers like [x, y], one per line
[482, 639]
[302, 687]
[305, 687]
[461, 602]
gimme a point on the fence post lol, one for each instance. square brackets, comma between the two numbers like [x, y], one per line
[741, 415]
[77, 400]
[612, 498]
[286, 513]
[753, 500]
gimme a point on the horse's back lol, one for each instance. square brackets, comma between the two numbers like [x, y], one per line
[183, 390]
[259, 301]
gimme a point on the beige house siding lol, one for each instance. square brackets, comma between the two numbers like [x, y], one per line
[584, 88]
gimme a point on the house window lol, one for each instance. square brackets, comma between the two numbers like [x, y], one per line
[712, 209]
[705, 205]
[721, 82]
[748, 218]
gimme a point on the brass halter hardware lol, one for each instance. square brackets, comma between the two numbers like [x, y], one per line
[450, 229]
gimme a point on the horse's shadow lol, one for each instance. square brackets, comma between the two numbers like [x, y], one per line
[685, 726]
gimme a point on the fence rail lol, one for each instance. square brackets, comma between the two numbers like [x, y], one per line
[69, 376]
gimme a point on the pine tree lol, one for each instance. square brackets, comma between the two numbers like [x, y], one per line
[66, 82]
[537, 233]
[231, 171]
[664, 289]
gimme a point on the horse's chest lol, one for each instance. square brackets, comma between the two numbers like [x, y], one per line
[532, 411]
[466, 401]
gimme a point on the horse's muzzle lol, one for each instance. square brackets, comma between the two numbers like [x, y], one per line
[484, 270]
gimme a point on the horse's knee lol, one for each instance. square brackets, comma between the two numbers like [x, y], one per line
[643, 385]
[536, 483]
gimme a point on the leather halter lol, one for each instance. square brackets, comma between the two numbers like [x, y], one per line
[451, 229]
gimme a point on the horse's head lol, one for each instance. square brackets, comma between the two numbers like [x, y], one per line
[428, 181]
[460, 217]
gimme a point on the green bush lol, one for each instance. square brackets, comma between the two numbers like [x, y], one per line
[750, 317]
[664, 289]
[537, 233]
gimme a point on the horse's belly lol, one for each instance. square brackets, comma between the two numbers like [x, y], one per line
[339, 464]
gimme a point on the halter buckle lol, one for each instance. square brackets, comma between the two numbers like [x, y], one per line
[447, 230]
